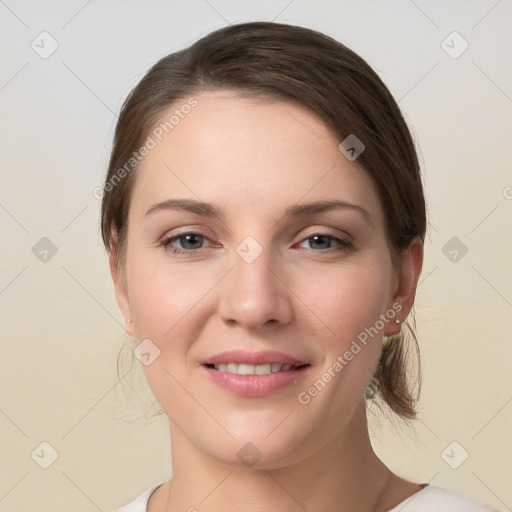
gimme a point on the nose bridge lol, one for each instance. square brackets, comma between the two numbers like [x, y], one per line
[252, 294]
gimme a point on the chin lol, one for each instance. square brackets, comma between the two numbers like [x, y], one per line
[260, 445]
[257, 455]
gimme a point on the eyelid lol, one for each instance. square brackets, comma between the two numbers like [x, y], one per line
[322, 230]
[188, 230]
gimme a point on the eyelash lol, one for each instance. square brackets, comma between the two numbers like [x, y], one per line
[343, 245]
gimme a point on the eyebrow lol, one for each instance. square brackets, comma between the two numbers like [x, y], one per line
[297, 210]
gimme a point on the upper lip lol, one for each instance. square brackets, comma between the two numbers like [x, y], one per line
[254, 358]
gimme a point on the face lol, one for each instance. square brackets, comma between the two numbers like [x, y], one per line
[258, 269]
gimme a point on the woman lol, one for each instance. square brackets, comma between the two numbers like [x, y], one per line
[264, 216]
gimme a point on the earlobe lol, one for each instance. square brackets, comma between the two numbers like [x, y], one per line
[412, 262]
[121, 292]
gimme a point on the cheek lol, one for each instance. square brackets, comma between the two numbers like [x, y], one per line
[346, 300]
[168, 305]
[345, 306]
[162, 296]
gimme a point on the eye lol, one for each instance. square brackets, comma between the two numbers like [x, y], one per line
[190, 243]
[324, 242]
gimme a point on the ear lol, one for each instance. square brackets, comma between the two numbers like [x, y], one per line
[406, 281]
[120, 287]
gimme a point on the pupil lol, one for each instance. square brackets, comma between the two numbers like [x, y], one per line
[191, 239]
[318, 237]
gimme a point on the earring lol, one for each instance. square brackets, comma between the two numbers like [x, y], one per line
[397, 321]
[130, 321]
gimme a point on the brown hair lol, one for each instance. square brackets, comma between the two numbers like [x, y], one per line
[289, 63]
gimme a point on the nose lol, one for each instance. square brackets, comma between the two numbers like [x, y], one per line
[255, 294]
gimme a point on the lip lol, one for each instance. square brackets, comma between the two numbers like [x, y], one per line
[254, 386]
[255, 358]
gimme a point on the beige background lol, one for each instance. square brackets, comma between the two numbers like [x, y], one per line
[60, 326]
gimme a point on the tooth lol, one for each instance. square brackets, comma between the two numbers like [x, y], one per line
[262, 369]
[250, 369]
[245, 369]
[232, 368]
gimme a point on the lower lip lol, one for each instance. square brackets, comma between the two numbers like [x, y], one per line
[255, 386]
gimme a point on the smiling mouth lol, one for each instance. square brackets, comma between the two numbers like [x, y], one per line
[250, 369]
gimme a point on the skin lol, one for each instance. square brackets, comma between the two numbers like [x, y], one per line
[254, 159]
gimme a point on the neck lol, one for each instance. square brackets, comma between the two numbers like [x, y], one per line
[345, 474]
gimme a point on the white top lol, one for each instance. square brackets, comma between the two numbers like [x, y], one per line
[430, 499]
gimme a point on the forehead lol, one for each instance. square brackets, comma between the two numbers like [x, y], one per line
[237, 152]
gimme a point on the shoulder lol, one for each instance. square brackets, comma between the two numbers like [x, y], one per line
[140, 503]
[433, 498]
